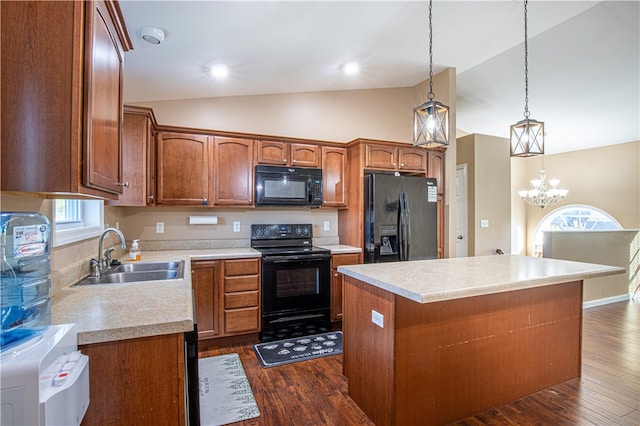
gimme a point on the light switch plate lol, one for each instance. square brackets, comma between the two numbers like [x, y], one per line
[159, 227]
[327, 225]
[484, 223]
[236, 226]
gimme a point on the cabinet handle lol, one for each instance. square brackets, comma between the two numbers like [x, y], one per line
[124, 184]
[393, 164]
[401, 164]
[293, 161]
[336, 275]
[150, 197]
[284, 160]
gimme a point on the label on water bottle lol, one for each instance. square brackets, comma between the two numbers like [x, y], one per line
[30, 240]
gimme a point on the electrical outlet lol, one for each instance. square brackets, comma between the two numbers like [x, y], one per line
[484, 223]
[377, 318]
[236, 226]
[159, 227]
[327, 225]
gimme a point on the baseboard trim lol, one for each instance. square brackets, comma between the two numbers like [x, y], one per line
[605, 301]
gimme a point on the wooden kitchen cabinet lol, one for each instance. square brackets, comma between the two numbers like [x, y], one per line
[233, 172]
[62, 73]
[436, 168]
[136, 381]
[386, 157]
[334, 176]
[336, 282]
[182, 170]
[138, 160]
[206, 281]
[288, 154]
[241, 304]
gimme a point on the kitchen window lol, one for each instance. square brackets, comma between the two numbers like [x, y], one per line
[76, 220]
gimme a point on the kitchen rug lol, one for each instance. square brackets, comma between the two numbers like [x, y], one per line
[225, 393]
[297, 349]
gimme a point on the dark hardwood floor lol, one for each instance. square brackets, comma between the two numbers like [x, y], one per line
[314, 392]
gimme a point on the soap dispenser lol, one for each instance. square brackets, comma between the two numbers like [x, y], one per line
[134, 251]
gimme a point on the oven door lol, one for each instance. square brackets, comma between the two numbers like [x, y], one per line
[295, 283]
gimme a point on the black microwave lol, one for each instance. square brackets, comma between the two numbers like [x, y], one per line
[288, 186]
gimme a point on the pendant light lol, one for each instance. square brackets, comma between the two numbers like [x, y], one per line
[431, 119]
[527, 136]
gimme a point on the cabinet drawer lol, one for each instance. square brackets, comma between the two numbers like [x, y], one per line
[247, 283]
[344, 259]
[241, 320]
[244, 299]
[241, 267]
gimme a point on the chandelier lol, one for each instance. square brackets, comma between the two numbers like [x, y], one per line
[431, 119]
[544, 193]
[527, 136]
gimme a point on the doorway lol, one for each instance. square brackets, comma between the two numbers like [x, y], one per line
[461, 211]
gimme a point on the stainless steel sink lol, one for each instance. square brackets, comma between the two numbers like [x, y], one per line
[147, 266]
[137, 272]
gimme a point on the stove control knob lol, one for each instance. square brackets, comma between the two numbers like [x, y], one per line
[298, 230]
[258, 231]
[305, 230]
[267, 231]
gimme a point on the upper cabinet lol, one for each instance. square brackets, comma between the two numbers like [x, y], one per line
[389, 157]
[288, 154]
[182, 171]
[138, 157]
[62, 99]
[436, 168]
[334, 176]
[233, 172]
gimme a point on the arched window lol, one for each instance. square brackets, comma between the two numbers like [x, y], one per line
[574, 217]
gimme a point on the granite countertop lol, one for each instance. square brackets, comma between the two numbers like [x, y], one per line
[427, 281]
[110, 312]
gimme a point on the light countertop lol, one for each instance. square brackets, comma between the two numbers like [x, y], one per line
[110, 312]
[427, 281]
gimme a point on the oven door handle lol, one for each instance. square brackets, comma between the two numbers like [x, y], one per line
[288, 259]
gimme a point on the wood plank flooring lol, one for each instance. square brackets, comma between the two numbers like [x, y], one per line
[314, 392]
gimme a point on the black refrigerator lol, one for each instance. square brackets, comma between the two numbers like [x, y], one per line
[400, 218]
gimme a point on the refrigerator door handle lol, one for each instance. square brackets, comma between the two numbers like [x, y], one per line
[407, 224]
[401, 235]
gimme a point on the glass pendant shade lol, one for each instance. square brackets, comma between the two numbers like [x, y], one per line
[527, 138]
[431, 125]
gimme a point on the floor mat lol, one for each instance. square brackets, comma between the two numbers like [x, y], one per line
[297, 349]
[225, 393]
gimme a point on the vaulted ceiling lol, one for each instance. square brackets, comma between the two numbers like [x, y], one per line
[584, 57]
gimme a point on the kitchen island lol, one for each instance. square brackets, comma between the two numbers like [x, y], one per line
[432, 341]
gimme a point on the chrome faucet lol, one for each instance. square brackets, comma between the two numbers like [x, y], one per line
[103, 259]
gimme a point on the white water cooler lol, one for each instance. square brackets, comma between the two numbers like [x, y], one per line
[45, 380]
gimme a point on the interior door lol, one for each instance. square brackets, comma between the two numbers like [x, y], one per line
[461, 211]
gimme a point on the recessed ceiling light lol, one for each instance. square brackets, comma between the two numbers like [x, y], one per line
[152, 35]
[351, 68]
[219, 70]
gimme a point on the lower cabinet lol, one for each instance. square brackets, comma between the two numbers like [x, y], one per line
[136, 381]
[227, 297]
[336, 282]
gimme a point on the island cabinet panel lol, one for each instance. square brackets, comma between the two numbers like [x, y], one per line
[136, 381]
[233, 172]
[447, 360]
[62, 68]
[334, 176]
[206, 279]
[182, 171]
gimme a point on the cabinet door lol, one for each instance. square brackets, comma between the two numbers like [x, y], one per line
[136, 381]
[436, 168]
[205, 280]
[136, 146]
[412, 159]
[440, 226]
[104, 61]
[233, 172]
[305, 155]
[336, 282]
[182, 171]
[381, 157]
[334, 174]
[272, 152]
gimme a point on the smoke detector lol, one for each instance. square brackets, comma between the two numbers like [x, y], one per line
[152, 35]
